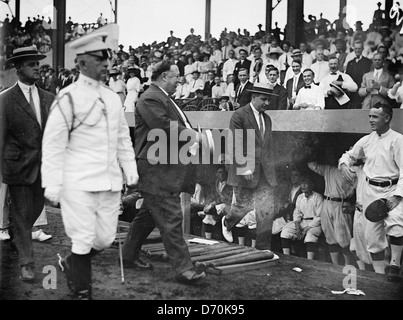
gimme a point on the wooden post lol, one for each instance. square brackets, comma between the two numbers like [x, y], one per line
[17, 9]
[295, 22]
[185, 203]
[58, 45]
[388, 6]
[116, 11]
[208, 20]
[343, 9]
[269, 15]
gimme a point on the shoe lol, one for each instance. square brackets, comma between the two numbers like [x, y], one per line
[4, 235]
[190, 276]
[393, 273]
[66, 268]
[227, 234]
[40, 235]
[138, 264]
[27, 273]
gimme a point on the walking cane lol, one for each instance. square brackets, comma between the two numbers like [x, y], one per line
[121, 257]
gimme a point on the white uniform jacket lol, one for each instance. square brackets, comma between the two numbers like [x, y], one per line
[86, 139]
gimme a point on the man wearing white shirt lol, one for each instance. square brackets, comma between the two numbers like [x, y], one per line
[296, 56]
[320, 67]
[229, 65]
[310, 97]
[218, 90]
[182, 89]
[195, 83]
[257, 54]
[340, 79]
[306, 57]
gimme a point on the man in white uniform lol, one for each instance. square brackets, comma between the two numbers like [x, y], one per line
[86, 145]
[383, 153]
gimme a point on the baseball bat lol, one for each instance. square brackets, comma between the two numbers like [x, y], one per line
[238, 258]
[216, 255]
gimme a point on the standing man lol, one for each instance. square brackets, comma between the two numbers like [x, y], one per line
[255, 181]
[356, 68]
[279, 101]
[383, 153]
[243, 95]
[243, 63]
[375, 84]
[161, 184]
[86, 146]
[294, 84]
[23, 113]
[310, 97]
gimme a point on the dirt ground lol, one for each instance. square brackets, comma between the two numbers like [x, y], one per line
[278, 281]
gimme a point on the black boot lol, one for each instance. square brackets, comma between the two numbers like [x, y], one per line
[82, 272]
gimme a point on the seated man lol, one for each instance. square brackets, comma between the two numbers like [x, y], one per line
[278, 102]
[306, 221]
[225, 104]
[310, 97]
[216, 209]
[182, 89]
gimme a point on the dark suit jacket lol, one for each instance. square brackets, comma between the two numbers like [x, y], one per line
[289, 84]
[245, 96]
[207, 90]
[21, 136]
[356, 70]
[155, 110]
[241, 65]
[279, 102]
[181, 67]
[53, 84]
[43, 83]
[262, 156]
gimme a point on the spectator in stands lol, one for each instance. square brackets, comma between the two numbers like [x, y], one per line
[117, 84]
[43, 81]
[279, 101]
[306, 57]
[230, 87]
[243, 63]
[333, 97]
[189, 68]
[296, 56]
[52, 80]
[195, 84]
[133, 87]
[396, 92]
[285, 60]
[66, 79]
[225, 104]
[209, 84]
[311, 96]
[180, 61]
[101, 20]
[378, 16]
[229, 65]
[258, 72]
[261, 62]
[375, 84]
[306, 224]
[242, 91]
[274, 58]
[340, 53]
[295, 83]
[320, 67]
[356, 68]
[182, 89]
[205, 66]
[218, 90]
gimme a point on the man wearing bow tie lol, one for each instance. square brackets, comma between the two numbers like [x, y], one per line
[340, 79]
[310, 97]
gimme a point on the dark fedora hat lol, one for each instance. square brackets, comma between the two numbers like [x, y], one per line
[377, 210]
[262, 89]
[25, 53]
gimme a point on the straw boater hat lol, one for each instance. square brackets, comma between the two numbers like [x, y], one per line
[26, 53]
[114, 71]
[262, 89]
[275, 50]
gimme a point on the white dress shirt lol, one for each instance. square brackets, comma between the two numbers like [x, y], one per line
[228, 68]
[312, 96]
[348, 82]
[35, 96]
[321, 69]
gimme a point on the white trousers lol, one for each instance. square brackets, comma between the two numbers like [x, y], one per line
[90, 218]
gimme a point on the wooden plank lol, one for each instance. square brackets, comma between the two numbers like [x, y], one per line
[245, 266]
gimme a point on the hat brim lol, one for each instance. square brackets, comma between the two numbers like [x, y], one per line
[262, 92]
[26, 57]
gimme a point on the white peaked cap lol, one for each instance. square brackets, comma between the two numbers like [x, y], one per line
[92, 42]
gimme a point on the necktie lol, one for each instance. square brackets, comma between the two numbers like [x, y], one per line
[295, 84]
[31, 102]
[308, 87]
[333, 73]
[261, 128]
[376, 75]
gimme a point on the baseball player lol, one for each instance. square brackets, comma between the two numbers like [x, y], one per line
[383, 153]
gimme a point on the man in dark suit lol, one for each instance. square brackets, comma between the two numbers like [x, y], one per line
[161, 184]
[243, 95]
[356, 69]
[340, 53]
[52, 81]
[252, 173]
[23, 113]
[294, 84]
[279, 101]
[209, 84]
[43, 81]
[180, 61]
[243, 63]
